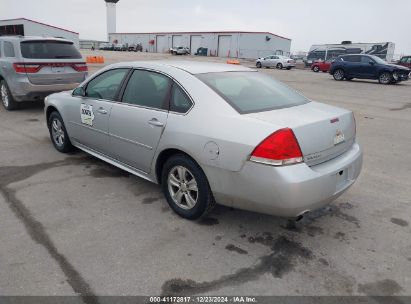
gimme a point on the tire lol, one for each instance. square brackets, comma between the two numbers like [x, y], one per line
[178, 174]
[258, 65]
[279, 66]
[338, 74]
[58, 133]
[385, 78]
[6, 98]
[316, 69]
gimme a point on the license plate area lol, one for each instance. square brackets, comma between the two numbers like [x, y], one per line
[58, 69]
[339, 138]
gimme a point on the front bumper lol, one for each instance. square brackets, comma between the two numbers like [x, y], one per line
[290, 190]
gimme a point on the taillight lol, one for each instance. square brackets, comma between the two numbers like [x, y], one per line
[278, 149]
[26, 68]
[80, 67]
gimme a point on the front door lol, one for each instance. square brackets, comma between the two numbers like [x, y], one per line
[88, 116]
[137, 122]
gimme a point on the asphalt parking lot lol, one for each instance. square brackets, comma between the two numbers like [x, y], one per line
[71, 224]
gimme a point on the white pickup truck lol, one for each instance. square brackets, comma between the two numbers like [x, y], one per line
[180, 50]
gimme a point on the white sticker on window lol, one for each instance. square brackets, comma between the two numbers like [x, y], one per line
[87, 115]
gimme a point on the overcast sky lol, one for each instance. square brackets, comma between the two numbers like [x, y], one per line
[306, 22]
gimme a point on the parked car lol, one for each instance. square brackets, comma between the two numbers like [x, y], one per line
[120, 47]
[180, 50]
[277, 61]
[276, 151]
[103, 46]
[135, 48]
[322, 66]
[368, 67]
[33, 67]
[405, 61]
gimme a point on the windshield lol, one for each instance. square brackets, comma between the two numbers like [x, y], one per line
[49, 49]
[249, 92]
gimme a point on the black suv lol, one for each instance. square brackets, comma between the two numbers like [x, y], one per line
[368, 67]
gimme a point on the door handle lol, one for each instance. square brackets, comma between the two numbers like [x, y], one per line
[102, 111]
[155, 122]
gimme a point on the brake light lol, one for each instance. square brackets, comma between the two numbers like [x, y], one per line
[26, 68]
[80, 67]
[278, 149]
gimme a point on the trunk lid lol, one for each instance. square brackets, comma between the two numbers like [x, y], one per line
[323, 132]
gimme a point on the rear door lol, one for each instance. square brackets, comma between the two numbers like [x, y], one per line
[53, 62]
[352, 65]
[88, 115]
[138, 121]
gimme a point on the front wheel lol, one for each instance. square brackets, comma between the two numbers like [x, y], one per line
[258, 65]
[186, 188]
[338, 74]
[279, 66]
[385, 78]
[6, 98]
[58, 133]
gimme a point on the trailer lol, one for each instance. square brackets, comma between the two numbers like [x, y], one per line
[323, 52]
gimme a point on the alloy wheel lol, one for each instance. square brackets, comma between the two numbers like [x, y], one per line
[57, 132]
[182, 187]
[385, 78]
[339, 75]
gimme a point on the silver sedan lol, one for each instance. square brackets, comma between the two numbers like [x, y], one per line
[211, 133]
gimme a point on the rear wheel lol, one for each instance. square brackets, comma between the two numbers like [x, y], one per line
[279, 66]
[6, 98]
[338, 74]
[258, 65]
[316, 68]
[58, 133]
[385, 78]
[186, 188]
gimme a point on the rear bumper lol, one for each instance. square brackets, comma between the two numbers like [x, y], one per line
[26, 91]
[290, 190]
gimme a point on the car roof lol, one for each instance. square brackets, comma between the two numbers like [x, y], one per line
[31, 38]
[193, 67]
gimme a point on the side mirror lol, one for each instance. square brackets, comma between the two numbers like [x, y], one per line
[371, 62]
[79, 92]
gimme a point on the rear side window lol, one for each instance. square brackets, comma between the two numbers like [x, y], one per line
[147, 89]
[49, 49]
[250, 92]
[8, 49]
[106, 85]
[180, 102]
[353, 58]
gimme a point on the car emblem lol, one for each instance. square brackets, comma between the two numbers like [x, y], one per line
[334, 120]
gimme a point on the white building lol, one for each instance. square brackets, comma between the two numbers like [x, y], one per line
[27, 27]
[249, 45]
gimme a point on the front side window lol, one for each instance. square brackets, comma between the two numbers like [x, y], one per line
[365, 59]
[49, 49]
[8, 49]
[249, 92]
[147, 89]
[106, 85]
[180, 102]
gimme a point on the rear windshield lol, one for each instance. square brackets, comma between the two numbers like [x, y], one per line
[250, 92]
[41, 49]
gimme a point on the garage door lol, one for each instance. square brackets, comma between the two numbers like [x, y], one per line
[162, 45]
[177, 40]
[224, 44]
[195, 43]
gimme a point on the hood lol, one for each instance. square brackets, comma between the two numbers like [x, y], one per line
[398, 67]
